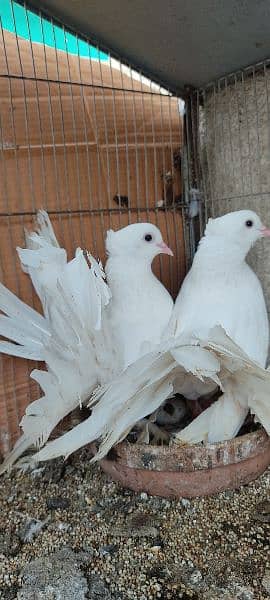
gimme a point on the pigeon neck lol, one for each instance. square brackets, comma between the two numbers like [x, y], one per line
[216, 251]
[117, 267]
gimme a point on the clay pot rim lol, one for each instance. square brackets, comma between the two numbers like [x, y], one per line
[204, 447]
[189, 471]
[237, 441]
[187, 457]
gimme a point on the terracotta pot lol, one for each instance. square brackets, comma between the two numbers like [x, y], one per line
[189, 471]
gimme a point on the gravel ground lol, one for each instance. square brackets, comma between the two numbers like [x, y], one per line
[114, 544]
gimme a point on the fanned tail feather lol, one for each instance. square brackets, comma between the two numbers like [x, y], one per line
[42, 259]
[143, 387]
[69, 338]
[246, 386]
[22, 325]
[20, 447]
[137, 392]
[45, 228]
[221, 421]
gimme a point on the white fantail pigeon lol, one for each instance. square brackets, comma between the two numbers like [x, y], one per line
[202, 355]
[225, 290]
[221, 288]
[140, 304]
[90, 330]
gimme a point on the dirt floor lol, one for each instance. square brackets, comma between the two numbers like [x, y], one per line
[67, 531]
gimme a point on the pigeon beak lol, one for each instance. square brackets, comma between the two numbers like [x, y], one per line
[165, 249]
[265, 232]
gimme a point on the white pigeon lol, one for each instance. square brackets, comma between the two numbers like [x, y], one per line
[221, 288]
[76, 337]
[141, 306]
[200, 357]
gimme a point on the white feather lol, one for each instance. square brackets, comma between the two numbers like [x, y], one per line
[137, 392]
[221, 421]
[246, 386]
[67, 343]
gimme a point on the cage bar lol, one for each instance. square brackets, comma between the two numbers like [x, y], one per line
[89, 139]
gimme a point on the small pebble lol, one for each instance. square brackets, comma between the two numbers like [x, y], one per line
[57, 503]
[266, 581]
[143, 496]
[106, 550]
[185, 502]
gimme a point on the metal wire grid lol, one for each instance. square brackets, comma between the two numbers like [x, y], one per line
[107, 128]
[230, 154]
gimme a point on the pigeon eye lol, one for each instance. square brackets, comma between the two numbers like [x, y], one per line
[148, 237]
[249, 223]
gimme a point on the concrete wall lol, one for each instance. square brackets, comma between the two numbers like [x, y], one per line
[235, 155]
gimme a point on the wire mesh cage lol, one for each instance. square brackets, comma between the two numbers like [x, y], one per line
[90, 140]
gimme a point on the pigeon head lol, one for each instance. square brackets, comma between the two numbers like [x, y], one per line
[242, 228]
[139, 240]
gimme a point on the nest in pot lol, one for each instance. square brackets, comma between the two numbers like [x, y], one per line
[177, 413]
